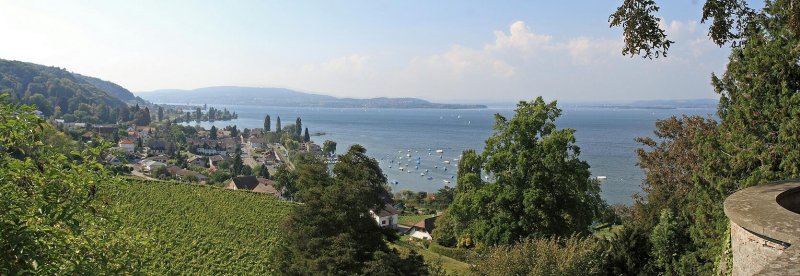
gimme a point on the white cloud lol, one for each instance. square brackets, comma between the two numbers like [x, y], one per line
[521, 64]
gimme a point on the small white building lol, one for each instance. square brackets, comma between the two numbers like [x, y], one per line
[386, 217]
[127, 145]
[150, 165]
[423, 229]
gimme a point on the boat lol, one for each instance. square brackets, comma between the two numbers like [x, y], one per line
[426, 170]
[446, 181]
[447, 161]
[422, 174]
[439, 151]
[602, 177]
[408, 155]
[445, 168]
[430, 177]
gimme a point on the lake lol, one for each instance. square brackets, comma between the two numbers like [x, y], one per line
[409, 138]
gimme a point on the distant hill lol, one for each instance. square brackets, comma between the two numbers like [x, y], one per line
[60, 93]
[283, 97]
[687, 103]
[111, 88]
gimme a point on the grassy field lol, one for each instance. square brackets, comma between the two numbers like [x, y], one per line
[411, 219]
[452, 266]
[198, 229]
[607, 232]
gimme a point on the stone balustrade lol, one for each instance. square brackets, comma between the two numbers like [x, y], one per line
[765, 229]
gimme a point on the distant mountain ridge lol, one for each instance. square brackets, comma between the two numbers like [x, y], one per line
[283, 97]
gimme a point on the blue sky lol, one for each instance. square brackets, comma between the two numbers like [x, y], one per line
[458, 51]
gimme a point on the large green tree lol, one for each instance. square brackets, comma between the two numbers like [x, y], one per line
[332, 232]
[540, 186]
[267, 123]
[54, 216]
[755, 141]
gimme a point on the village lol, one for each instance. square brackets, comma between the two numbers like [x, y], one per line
[243, 160]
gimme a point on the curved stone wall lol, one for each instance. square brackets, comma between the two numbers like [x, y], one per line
[765, 223]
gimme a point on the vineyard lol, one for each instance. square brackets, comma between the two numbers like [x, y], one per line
[193, 229]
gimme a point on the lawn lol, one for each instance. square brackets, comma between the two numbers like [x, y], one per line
[452, 266]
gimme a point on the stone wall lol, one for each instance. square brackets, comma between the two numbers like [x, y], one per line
[765, 229]
[751, 252]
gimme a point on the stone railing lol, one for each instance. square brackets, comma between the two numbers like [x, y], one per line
[765, 229]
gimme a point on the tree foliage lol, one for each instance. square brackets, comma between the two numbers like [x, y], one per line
[332, 232]
[541, 188]
[551, 256]
[697, 163]
[52, 218]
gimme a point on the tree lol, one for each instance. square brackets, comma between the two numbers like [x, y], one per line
[332, 232]
[285, 181]
[278, 124]
[756, 139]
[142, 117]
[298, 126]
[541, 187]
[262, 171]
[123, 113]
[267, 123]
[54, 204]
[213, 133]
[160, 113]
[306, 137]
[238, 164]
[329, 147]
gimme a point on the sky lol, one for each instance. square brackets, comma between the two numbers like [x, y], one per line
[453, 51]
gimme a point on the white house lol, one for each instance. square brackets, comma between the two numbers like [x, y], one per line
[386, 217]
[150, 165]
[423, 229]
[127, 145]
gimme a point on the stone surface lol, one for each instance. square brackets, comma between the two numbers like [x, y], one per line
[763, 231]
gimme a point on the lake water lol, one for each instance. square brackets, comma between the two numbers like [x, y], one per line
[605, 135]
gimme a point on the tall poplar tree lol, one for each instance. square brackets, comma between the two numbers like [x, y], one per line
[298, 126]
[267, 124]
[278, 124]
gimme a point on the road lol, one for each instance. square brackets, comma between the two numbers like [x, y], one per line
[247, 155]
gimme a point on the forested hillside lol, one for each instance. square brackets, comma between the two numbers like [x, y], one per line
[111, 88]
[59, 93]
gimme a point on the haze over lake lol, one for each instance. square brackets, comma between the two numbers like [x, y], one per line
[605, 135]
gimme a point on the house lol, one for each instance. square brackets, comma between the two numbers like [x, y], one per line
[105, 130]
[423, 229]
[216, 159]
[253, 184]
[158, 158]
[183, 174]
[127, 145]
[111, 160]
[386, 217]
[257, 142]
[150, 165]
[196, 161]
[157, 147]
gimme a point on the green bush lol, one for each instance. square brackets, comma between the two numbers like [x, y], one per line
[461, 254]
[571, 256]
